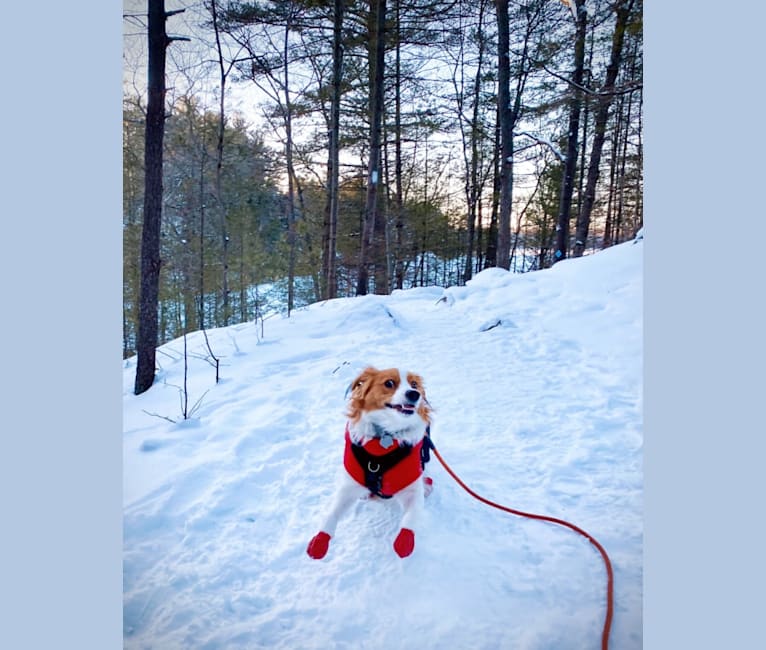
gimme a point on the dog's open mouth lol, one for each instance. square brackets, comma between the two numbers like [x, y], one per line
[406, 409]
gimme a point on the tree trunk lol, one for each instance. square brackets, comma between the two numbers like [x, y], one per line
[508, 116]
[399, 199]
[380, 238]
[329, 268]
[618, 223]
[202, 243]
[575, 107]
[608, 225]
[479, 237]
[243, 316]
[605, 101]
[377, 23]
[639, 216]
[506, 135]
[219, 171]
[150, 238]
[491, 256]
[474, 190]
[585, 118]
[288, 118]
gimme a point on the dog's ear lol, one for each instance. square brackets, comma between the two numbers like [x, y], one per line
[358, 390]
[356, 386]
[425, 409]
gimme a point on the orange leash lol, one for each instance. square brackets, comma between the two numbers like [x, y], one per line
[561, 522]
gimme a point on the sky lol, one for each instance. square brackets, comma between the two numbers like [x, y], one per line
[191, 69]
[536, 383]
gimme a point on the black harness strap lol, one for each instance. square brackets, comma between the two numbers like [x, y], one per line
[425, 450]
[375, 466]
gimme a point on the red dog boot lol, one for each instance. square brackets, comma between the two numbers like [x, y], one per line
[404, 542]
[428, 485]
[317, 547]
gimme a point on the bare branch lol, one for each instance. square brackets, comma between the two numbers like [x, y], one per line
[197, 404]
[546, 143]
[157, 415]
[595, 93]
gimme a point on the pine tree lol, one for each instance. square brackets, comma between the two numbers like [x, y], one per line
[150, 240]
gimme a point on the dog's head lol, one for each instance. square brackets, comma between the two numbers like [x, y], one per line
[391, 400]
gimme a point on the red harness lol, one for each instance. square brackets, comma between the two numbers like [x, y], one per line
[387, 470]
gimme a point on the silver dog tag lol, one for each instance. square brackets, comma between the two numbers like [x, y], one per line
[386, 440]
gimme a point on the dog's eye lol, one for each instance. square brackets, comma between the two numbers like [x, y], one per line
[414, 384]
[389, 383]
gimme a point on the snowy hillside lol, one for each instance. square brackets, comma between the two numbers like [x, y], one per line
[536, 381]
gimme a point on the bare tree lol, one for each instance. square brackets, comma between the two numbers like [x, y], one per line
[271, 72]
[509, 108]
[472, 130]
[224, 68]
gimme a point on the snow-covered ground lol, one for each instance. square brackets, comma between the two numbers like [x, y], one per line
[536, 381]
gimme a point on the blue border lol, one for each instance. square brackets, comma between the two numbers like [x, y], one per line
[60, 463]
[704, 327]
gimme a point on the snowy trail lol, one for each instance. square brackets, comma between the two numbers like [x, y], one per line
[536, 383]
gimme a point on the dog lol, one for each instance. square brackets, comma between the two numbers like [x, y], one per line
[386, 452]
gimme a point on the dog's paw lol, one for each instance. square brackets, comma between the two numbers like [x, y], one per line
[317, 547]
[428, 485]
[404, 542]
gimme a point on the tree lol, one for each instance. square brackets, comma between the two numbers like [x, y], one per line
[470, 116]
[527, 20]
[329, 250]
[224, 69]
[575, 108]
[505, 118]
[377, 26]
[132, 201]
[150, 238]
[622, 9]
[271, 72]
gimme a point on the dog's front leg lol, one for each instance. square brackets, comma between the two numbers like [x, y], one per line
[411, 500]
[348, 492]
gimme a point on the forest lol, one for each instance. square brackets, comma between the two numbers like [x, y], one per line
[314, 149]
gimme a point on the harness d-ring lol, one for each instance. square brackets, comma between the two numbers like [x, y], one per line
[373, 471]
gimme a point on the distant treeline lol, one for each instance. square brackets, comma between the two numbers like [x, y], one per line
[285, 196]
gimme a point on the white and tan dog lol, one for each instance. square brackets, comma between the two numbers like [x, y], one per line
[386, 450]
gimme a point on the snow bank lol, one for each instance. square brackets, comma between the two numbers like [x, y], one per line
[536, 383]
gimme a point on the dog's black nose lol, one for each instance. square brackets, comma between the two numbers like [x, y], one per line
[412, 396]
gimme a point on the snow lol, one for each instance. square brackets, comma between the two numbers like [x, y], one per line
[536, 382]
